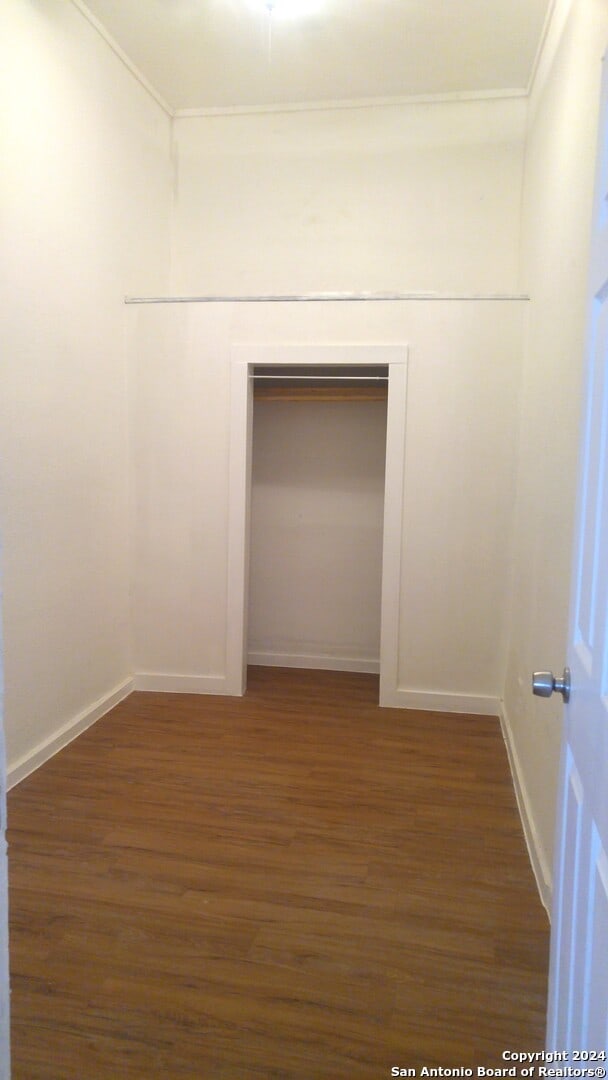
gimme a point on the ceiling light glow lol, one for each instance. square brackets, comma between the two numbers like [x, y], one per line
[293, 9]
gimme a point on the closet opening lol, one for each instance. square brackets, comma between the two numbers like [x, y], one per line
[316, 509]
[317, 517]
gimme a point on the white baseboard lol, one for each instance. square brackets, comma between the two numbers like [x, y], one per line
[538, 859]
[323, 663]
[159, 683]
[46, 749]
[429, 701]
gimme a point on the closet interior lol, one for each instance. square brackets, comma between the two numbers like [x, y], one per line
[317, 507]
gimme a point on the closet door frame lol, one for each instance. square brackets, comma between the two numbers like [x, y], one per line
[244, 357]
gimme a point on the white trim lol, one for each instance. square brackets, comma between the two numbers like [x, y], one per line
[396, 101]
[66, 733]
[243, 358]
[432, 701]
[237, 574]
[158, 683]
[392, 530]
[351, 103]
[541, 46]
[553, 30]
[122, 56]
[538, 859]
[289, 354]
[317, 663]
[239, 503]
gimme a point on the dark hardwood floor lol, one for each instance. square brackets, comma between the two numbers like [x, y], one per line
[294, 885]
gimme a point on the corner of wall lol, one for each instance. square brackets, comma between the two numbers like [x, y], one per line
[111, 42]
[66, 733]
[538, 857]
[557, 15]
[173, 197]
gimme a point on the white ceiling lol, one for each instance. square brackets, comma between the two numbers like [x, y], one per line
[200, 54]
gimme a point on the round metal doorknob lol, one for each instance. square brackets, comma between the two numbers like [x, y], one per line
[544, 684]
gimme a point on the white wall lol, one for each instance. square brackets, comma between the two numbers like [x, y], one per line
[422, 197]
[558, 189]
[317, 505]
[463, 381]
[85, 196]
[425, 197]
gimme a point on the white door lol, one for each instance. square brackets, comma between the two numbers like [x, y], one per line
[578, 982]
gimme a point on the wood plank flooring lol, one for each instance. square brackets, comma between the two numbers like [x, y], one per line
[294, 885]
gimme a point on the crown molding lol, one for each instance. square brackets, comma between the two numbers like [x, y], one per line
[541, 46]
[351, 103]
[453, 97]
[122, 56]
[557, 14]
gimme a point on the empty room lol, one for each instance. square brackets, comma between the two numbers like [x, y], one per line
[303, 523]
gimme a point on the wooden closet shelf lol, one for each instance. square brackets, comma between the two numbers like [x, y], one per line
[320, 393]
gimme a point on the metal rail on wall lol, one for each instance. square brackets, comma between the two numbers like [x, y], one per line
[342, 297]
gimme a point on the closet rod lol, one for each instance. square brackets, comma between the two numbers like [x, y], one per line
[319, 297]
[324, 378]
